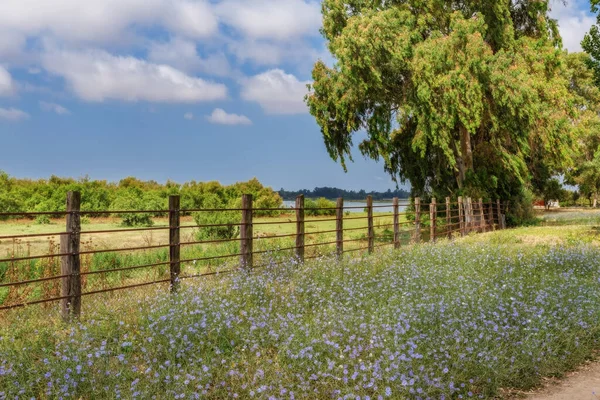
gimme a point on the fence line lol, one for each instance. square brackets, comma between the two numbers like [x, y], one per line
[444, 220]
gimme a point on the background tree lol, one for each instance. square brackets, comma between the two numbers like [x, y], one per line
[591, 44]
[457, 97]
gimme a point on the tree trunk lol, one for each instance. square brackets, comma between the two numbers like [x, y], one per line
[464, 158]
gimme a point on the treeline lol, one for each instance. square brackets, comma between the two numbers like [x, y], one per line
[334, 193]
[44, 195]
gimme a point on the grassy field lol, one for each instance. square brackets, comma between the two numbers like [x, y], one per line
[39, 245]
[479, 317]
[318, 230]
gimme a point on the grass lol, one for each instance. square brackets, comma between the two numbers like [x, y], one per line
[137, 239]
[459, 319]
[114, 260]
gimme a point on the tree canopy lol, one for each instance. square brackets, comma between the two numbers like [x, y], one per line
[457, 97]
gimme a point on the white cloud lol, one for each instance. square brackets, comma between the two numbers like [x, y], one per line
[106, 20]
[96, 76]
[574, 22]
[273, 19]
[299, 54]
[12, 114]
[183, 54]
[276, 92]
[55, 108]
[189, 116]
[219, 116]
[11, 43]
[7, 86]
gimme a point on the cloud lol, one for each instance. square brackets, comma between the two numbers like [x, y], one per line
[273, 19]
[182, 54]
[189, 116]
[11, 43]
[7, 86]
[55, 108]
[96, 75]
[219, 116]
[276, 92]
[574, 22]
[12, 114]
[107, 20]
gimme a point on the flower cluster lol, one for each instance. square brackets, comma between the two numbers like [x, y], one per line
[430, 322]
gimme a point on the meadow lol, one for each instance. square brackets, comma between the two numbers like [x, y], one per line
[481, 317]
[274, 237]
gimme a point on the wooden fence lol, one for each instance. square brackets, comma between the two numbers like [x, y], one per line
[443, 220]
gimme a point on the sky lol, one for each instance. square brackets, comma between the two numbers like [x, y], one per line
[176, 89]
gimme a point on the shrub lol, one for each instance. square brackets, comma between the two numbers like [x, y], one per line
[43, 220]
[230, 218]
[314, 208]
[132, 200]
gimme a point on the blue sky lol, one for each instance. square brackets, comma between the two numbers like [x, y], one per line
[175, 89]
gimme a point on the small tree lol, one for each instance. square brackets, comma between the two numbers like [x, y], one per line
[133, 200]
[228, 220]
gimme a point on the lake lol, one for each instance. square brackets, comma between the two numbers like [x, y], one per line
[383, 206]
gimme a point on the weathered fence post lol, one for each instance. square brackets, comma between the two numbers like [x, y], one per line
[498, 213]
[396, 224]
[246, 234]
[339, 227]
[449, 225]
[469, 215]
[174, 242]
[461, 216]
[300, 228]
[432, 219]
[417, 220]
[71, 264]
[481, 215]
[371, 231]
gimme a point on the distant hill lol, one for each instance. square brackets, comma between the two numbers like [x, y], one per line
[334, 193]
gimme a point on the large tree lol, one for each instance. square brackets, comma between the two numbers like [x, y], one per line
[591, 44]
[464, 96]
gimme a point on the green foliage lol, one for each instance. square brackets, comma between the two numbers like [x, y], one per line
[128, 194]
[457, 97]
[42, 220]
[520, 211]
[314, 208]
[591, 44]
[133, 199]
[231, 220]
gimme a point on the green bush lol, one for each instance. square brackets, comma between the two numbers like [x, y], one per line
[520, 210]
[230, 218]
[132, 200]
[43, 220]
[314, 208]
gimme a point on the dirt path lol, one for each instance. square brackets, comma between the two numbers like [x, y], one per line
[582, 384]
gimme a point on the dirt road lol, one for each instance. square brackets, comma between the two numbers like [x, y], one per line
[583, 384]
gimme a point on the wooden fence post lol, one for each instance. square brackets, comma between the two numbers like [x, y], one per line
[339, 226]
[417, 220]
[246, 233]
[71, 264]
[174, 242]
[461, 216]
[469, 215]
[481, 215]
[371, 231]
[498, 212]
[449, 225]
[432, 219]
[300, 228]
[396, 224]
